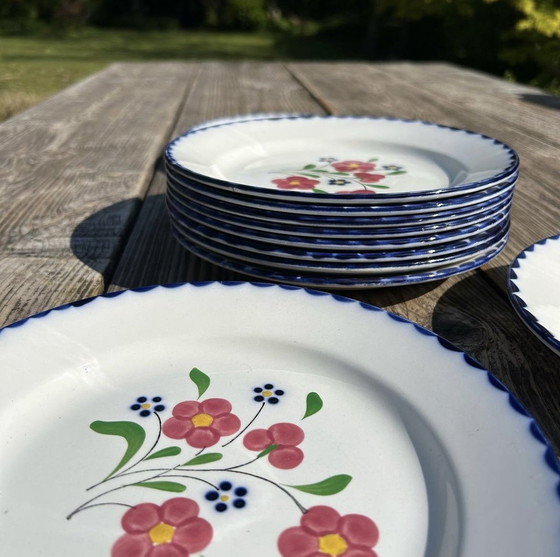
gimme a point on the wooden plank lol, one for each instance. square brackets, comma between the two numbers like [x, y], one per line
[501, 102]
[68, 165]
[220, 90]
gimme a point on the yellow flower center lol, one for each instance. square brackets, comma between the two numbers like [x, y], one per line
[161, 533]
[146, 405]
[294, 182]
[332, 544]
[224, 498]
[202, 420]
[267, 393]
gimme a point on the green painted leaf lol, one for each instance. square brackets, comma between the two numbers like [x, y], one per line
[131, 432]
[163, 486]
[396, 172]
[317, 190]
[200, 379]
[309, 166]
[373, 160]
[380, 186]
[309, 175]
[204, 459]
[169, 451]
[330, 486]
[266, 451]
[314, 403]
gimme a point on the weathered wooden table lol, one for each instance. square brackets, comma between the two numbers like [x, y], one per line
[82, 190]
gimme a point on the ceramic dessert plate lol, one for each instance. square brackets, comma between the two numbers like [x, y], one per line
[341, 219]
[191, 419]
[181, 213]
[341, 158]
[350, 281]
[533, 287]
[405, 235]
[309, 265]
[189, 188]
[350, 260]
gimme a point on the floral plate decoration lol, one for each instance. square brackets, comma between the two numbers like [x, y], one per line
[346, 157]
[341, 176]
[175, 527]
[205, 419]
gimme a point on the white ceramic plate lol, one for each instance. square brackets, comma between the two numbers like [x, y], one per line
[181, 214]
[534, 289]
[354, 259]
[346, 282]
[450, 229]
[334, 158]
[189, 188]
[342, 219]
[279, 260]
[309, 411]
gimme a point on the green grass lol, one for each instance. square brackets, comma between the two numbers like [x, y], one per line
[37, 66]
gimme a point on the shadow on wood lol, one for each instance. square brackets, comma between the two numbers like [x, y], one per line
[493, 334]
[99, 240]
[550, 101]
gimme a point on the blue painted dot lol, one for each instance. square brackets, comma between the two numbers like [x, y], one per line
[135, 407]
[156, 399]
[259, 398]
[225, 486]
[211, 496]
[273, 400]
[159, 408]
[269, 386]
[279, 392]
[141, 399]
[239, 503]
[221, 507]
[145, 413]
[257, 390]
[240, 491]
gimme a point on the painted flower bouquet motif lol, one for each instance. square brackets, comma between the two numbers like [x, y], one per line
[339, 176]
[205, 429]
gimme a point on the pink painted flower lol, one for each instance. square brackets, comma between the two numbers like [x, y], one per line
[173, 529]
[353, 166]
[285, 436]
[201, 424]
[295, 183]
[369, 178]
[322, 531]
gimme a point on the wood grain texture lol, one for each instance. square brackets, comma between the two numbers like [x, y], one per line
[70, 170]
[220, 90]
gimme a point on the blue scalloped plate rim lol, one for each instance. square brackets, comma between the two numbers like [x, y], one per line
[310, 280]
[395, 236]
[188, 187]
[520, 305]
[341, 219]
[549, 457]
[511, 167]
[267, 252]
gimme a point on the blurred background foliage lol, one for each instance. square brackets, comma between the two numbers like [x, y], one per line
[516, 39]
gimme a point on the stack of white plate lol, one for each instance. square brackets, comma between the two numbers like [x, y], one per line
[340, 202]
